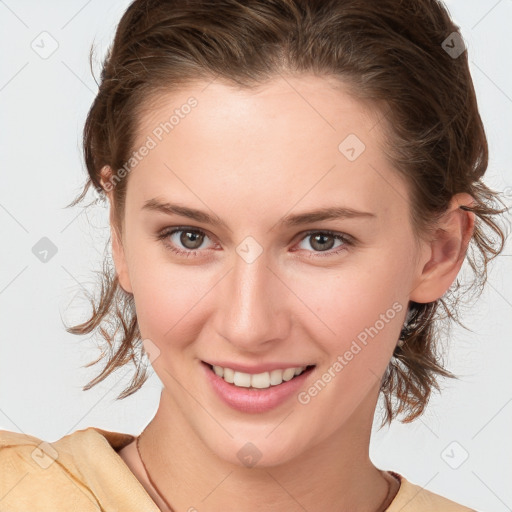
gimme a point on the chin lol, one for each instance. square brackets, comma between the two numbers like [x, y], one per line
[255, 451]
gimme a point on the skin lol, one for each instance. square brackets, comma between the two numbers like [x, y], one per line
[252, 157]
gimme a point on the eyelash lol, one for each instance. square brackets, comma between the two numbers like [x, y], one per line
[347, 240]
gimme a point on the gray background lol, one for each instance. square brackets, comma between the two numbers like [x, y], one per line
[461, 447]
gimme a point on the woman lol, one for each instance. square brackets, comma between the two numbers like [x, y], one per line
[293, 188]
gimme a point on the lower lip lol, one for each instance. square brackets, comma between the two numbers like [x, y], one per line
[254, 400]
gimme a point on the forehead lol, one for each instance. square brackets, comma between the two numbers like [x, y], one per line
[305, 137]
[315, 104]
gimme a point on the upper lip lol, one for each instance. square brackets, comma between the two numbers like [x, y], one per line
[255, 369]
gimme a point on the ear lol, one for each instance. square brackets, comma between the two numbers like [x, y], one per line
[446, 251]
[118, 253]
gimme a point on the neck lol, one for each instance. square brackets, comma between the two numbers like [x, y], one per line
[336, 474]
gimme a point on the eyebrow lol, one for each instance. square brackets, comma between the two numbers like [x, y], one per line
[330, 213]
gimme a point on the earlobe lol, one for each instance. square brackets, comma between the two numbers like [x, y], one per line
[447, 251]
[118, 253]
[119, 257]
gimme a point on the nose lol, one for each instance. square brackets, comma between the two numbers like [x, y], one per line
[254, 309]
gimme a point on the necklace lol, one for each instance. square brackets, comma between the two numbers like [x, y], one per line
[149, 478]
[390, 496]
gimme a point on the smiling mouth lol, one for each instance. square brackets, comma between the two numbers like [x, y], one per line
[262, 380]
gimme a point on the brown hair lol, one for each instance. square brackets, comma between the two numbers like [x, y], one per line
[388, 52]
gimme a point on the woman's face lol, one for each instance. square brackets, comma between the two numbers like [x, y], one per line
[258, 284]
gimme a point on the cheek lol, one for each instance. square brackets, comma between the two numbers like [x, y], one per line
[356, 306]
[364, 312]
[167, 296]
[166, 305]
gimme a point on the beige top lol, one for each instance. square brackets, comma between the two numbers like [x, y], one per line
[83, 471]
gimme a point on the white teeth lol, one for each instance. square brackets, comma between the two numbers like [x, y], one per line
[229, 375]
[276, 377]
[288, 374]
[242, 380]
[259, 380]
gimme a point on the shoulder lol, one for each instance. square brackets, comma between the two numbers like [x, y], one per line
[60, 473]
[414, 498]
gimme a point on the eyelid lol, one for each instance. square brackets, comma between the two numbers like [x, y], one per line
[345, 236]
[348, 240]
[171, 230]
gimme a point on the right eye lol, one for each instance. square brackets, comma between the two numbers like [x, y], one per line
[189, 238]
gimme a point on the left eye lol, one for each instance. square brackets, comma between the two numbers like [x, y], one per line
[323, 241]
[192, 239]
